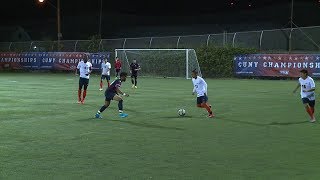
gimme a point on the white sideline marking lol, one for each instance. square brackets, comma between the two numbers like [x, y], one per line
[13, 81]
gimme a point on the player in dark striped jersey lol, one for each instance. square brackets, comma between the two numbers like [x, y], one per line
[113, 92]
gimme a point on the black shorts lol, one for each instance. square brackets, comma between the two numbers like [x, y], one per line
[109, 96]
[311, 103]
[134, 75]
[83, 82]
[107, 77]
[202, 99]
[118, 70]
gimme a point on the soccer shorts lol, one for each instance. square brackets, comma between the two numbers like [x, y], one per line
[134, 75]
[308, 101]
[118, 70]
[202, 99]
[83, 82]
[107, 77]
[109, 96]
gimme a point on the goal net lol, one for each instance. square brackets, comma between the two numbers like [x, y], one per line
[160, 62]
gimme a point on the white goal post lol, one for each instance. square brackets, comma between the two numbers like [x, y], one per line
[161, 62]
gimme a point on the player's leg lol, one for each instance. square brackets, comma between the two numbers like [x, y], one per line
[80, 89]
[108, 80]
[135, 81]
[120, 106]
[117, 72]
[85, 87]
[108, 98]
[311, 105]
[204, 104]
[101, 82]
[132, 80]
[104, 107]
[305, 102]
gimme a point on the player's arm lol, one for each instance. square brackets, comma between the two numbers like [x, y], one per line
[205, 86]
[139, 68]
[122, 93]
[194, 89]
[89, 70]
[297, 87]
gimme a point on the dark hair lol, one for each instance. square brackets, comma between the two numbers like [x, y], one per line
[304, 71]
[195, 71]
[123, 74]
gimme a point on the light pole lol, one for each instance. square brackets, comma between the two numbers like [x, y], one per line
[100, 21]
[59, 34]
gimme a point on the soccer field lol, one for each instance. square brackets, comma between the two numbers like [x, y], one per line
[261, 131]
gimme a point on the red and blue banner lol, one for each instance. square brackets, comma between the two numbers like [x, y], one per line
[276, 65]
[62, 61]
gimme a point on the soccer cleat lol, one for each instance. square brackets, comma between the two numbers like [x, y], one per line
[82, 102]
[135, 87]
[100, 89]
[123, 115]
[313, 120]
[98, 116]
[79, 102]
[211, 115]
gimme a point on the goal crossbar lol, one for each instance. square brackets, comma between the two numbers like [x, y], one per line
[191, 61]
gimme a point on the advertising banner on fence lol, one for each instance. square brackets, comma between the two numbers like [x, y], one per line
[276, 65]
[63, 61]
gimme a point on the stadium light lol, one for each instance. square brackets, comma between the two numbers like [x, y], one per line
[59, 34]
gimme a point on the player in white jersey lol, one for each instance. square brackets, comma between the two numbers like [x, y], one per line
[201, 88]
[105, 73]
[307, 93]
[85, 68]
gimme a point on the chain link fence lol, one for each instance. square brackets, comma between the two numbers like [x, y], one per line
[304, 39]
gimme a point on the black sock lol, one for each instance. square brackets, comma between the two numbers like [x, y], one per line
[132, 81]
[102, 108]
[120, 105]
[135, 83]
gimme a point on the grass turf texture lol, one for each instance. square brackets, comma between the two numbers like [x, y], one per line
[261, 131]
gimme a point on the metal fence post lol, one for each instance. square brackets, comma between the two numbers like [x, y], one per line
[10, 46]
[260, 41]
[75, 46]
[124, 43]
[234, 38]
[150, 42]
[208, 39]
[100, 45]
[30, 48]
[178, 42]
[290, 41]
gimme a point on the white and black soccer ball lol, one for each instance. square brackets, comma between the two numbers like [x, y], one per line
[181, 112]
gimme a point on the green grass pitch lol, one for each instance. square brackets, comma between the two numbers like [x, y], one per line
[261, 131]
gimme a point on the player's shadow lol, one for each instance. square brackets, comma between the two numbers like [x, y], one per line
[148, 125]
[268, 124]
[174, 117]
[288, 123]
[87, 119]
[246, 122]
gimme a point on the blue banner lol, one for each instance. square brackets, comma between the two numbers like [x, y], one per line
[277, 65]
[65, 61]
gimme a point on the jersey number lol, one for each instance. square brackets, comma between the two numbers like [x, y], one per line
[304, 86]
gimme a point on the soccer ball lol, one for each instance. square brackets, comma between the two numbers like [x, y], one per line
[181, 112]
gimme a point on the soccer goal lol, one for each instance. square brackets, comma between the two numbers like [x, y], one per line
[161, 62]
